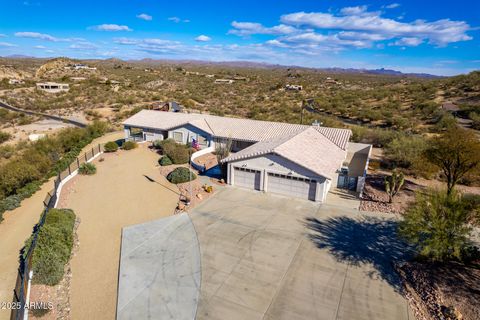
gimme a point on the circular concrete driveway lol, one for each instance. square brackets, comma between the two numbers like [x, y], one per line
[271, 257]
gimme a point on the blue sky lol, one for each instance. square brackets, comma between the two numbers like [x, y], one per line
[437, 37]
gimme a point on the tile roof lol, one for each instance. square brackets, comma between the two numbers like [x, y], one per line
[310, 149]
[235, 128]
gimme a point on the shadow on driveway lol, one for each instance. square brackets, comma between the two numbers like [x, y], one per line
[368, 241]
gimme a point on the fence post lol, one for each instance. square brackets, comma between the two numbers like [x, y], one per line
[86, 159]
[93, 153]
[99, 148]
[78, 163]
[69, 170]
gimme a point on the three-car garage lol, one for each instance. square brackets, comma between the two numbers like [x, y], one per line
[273, 174]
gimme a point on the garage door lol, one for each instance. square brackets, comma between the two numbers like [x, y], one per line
[291, 186]
[247, 178]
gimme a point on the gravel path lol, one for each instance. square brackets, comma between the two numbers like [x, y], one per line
[118, 195]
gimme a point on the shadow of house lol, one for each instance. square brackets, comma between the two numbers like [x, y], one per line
[371, 241]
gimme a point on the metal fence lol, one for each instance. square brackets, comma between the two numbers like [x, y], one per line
[20, 299]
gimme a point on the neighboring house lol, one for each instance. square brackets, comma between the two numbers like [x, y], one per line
[291, 159]
[171, 106]
[294, 87]
[53, 87]
[224, 81]
[15, 81]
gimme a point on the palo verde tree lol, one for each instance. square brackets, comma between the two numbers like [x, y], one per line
[437, 225]
[393, 184]
[455, 152]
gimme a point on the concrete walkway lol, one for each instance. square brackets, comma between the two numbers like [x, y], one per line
[159, 270]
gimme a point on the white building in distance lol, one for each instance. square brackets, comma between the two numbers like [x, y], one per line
[53, 87]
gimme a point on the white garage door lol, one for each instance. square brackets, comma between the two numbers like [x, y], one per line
[291, 186]
[246, 178]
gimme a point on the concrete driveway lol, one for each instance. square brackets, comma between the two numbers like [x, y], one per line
[270, 257]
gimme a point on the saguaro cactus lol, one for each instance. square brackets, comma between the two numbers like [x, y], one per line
[393, 184]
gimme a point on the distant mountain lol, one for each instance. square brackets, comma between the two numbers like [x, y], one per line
[247, 64]
[264, 65]
[19, 56]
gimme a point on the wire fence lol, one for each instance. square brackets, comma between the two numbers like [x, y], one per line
[20, 299]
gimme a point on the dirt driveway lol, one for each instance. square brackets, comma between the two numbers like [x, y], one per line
[18, 226]
[271, 257]
[118, 195]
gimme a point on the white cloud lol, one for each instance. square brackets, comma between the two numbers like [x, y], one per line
[408, 41]
[2, 35]
[175, 19]
[110, 27]
[125, 41]
[145, 17]
[249, 28]
[440, 32]
[349, 11]
[392, 5]
[7, 44]
[37, 35]
[203, 38]
[40, 47]
[83, 45]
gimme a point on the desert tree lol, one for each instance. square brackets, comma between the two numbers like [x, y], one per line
[437, 225]
[393, 184]
[455, 153]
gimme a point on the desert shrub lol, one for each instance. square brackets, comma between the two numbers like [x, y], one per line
[164, 144]
[165, 161]
[129, 145]
[403, 151]
[377, 137]
[181, 175]
[179, 155]
[110, 146]
[437, 225]
[54, 246]
[4, 136]
[87, 169]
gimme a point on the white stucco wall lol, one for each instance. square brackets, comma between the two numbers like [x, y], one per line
[272, 163]
[190, 132]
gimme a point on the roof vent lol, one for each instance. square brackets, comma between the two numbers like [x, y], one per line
[316, 123]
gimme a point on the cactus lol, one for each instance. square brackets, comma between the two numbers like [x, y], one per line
[393, 184]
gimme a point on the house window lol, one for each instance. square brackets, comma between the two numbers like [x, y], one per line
[178, 137]
[202, 140]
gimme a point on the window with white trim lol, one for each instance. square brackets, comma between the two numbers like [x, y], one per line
[178, 136]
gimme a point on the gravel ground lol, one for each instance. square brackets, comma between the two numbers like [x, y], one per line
[118, 195]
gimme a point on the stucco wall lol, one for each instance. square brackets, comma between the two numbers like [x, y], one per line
[276, 164]
[190, 132]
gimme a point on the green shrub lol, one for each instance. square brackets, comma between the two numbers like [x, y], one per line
[437, 225]
[111, 146]
[403, 151]
[181, 175]
[179, 154]
[165, 161]
[54, 246]
[87, 169]
[129, 145]
[4, 136]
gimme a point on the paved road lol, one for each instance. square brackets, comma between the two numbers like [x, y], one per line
[46, 115]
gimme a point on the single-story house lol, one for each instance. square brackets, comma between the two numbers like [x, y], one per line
[291, 159]
[224, 81]
[53, 87]
[294, 87]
